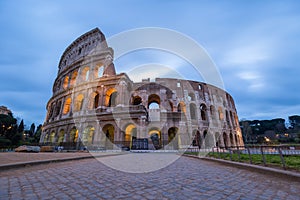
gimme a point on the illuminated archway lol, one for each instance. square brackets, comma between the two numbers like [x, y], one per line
[66, 82]
[88, 135]
[221, 115]
[78, 102]
[73, 135]
[73, 78]
[130, 133]
[111, 97]
[67, 106]
[155, 136]
[181, 107]
[52, 137]
[61, 136]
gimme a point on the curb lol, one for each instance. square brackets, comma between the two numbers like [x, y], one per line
[39, 162]
[260, 169]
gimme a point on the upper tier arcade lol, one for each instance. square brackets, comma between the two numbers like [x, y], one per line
[85, 47]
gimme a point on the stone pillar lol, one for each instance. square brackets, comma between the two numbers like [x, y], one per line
[97, 135]
[182, 135]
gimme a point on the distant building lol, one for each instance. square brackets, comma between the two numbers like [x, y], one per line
[93, 107]
[4, 110]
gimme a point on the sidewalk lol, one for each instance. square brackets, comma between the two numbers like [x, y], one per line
[14, 159]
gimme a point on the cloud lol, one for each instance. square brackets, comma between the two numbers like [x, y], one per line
[255, 45]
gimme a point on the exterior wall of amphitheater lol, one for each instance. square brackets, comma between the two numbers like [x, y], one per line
[94, 107]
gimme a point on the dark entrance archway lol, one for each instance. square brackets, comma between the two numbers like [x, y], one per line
[173, 137]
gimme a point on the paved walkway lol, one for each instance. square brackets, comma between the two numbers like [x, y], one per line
[14, 157]
[186, 178]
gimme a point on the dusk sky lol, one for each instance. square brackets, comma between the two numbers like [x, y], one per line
[254, 44]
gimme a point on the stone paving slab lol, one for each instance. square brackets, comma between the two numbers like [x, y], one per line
[19, 159]
[186, 178]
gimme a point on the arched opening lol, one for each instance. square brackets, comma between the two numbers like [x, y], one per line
[52, 137]
[73, 78]
[130, 133]
[206, 139]
[109, 131]
[73, 135]
[193, 111]
[61, 136]
[46, 138]
[231, 140]
[231, 118]
[111, 97]
[236, 140]
[98, 72]
[181, 107]
[153, 101]
[155, 136]
[203, 112]
[96, 100]
[136, 100]
[191, 97]
[57, 108]
[67, 106]
[85, 74]
[221, 115]
[172, 137]
[212, 112]
[78, 102]
[197, 140]
[66, 82]
[225, 140]
[88, 135]
[227, 118]
[218, 139]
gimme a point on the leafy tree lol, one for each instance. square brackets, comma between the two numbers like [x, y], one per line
[294, 121]
[8, 129]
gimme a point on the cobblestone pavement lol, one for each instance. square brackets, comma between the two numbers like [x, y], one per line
[14, 157]
[187, 178]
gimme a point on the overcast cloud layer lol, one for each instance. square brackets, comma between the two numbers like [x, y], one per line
[254, 44]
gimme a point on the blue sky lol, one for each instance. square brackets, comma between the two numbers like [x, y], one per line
[254, 44]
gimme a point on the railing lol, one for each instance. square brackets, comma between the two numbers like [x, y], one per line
[284, 156]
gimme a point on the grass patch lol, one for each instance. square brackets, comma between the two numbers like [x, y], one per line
[291, 161]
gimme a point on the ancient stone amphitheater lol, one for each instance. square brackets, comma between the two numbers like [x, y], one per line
[93, 107]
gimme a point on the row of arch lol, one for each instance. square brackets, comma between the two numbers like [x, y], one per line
[87, 137]
[154, 103]
[95, 100]
[82, 75]
[110, 99]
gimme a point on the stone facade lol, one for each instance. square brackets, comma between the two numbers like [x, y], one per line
[96, 108]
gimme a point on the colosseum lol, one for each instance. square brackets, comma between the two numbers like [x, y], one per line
[95, 108]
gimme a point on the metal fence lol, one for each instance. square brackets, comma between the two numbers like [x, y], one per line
[266, 155]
